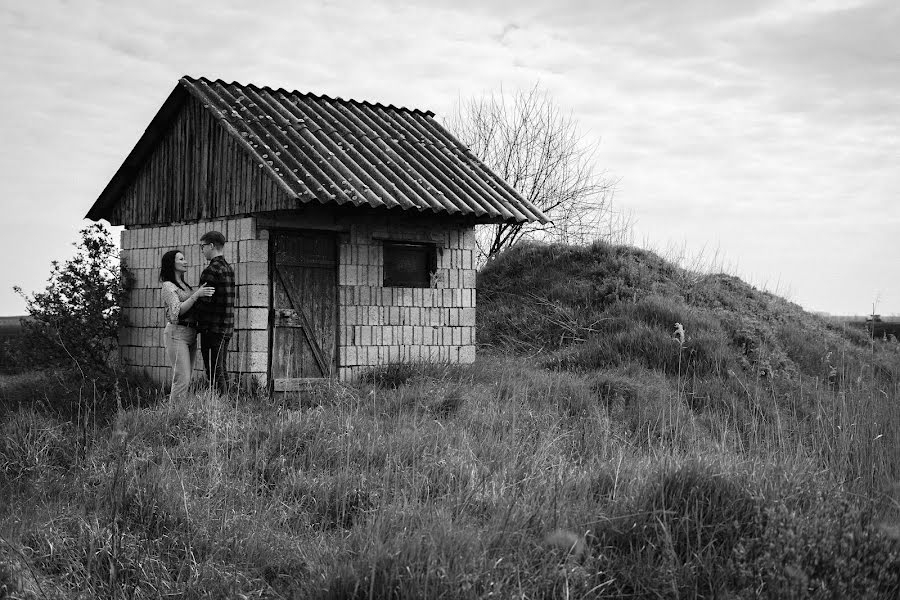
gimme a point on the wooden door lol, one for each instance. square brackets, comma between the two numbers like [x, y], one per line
[304, 307]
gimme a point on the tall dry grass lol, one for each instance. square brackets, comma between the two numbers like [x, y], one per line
[502, 479]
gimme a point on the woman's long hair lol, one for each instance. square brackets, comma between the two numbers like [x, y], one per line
[167, 268]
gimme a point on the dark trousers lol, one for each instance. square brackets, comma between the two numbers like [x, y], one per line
[214, 348]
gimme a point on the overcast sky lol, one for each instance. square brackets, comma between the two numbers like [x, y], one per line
[762, 134]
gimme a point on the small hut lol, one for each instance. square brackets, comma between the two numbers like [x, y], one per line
[350, 228]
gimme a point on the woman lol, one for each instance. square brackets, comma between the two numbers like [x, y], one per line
[181, 333]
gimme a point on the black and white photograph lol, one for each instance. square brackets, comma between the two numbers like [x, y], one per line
[432, 299]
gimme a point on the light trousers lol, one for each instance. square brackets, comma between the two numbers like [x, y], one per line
[181, 350]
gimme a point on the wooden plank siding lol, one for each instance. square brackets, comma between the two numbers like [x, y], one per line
[197, 172]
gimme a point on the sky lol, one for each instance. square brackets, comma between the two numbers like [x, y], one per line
[761, 138]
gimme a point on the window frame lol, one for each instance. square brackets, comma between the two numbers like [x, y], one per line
[387, 246]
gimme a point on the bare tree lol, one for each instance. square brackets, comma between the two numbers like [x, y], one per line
[527, 140]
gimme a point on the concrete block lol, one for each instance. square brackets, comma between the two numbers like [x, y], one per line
[467, 317]
[252, 273]
[254, 295]
[348, 356]
[229, 230]
[406, 296]
[255, 318]
[345, 295]
[376, 255]
[456, 297]
[465, 298]
[259, 341]
[247, 229]
[364, 294]
[468, 278]
[468, 238]
[344, 277]
[376, 276]
[254, 250]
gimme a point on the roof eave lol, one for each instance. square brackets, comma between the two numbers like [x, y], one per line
[127, 172]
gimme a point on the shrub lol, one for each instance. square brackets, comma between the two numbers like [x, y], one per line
[76, 318]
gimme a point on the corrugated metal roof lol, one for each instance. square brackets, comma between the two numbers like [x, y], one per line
[349, 152]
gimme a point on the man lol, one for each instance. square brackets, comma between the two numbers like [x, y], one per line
[215, 315]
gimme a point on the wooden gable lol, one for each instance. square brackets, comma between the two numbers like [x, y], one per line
[196, 171]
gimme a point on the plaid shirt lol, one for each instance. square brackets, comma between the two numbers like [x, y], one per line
[216, 313]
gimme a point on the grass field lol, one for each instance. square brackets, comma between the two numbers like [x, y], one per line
[586, 454]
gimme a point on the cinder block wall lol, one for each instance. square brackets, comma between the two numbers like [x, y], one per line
[380, 325]
[141, 342]
[376, 325]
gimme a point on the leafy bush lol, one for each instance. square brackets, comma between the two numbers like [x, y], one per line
[76, 318]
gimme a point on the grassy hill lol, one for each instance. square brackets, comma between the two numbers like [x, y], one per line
[587, 453]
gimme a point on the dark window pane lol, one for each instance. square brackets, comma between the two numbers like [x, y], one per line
[408, 265]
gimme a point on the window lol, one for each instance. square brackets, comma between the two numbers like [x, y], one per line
[408, 264]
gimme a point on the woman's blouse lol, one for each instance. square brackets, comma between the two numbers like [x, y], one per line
[172, 297]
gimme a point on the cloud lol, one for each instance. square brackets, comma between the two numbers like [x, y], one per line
[724, 119]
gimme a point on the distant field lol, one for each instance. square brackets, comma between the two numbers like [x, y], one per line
[10, 327]
[886, 326]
